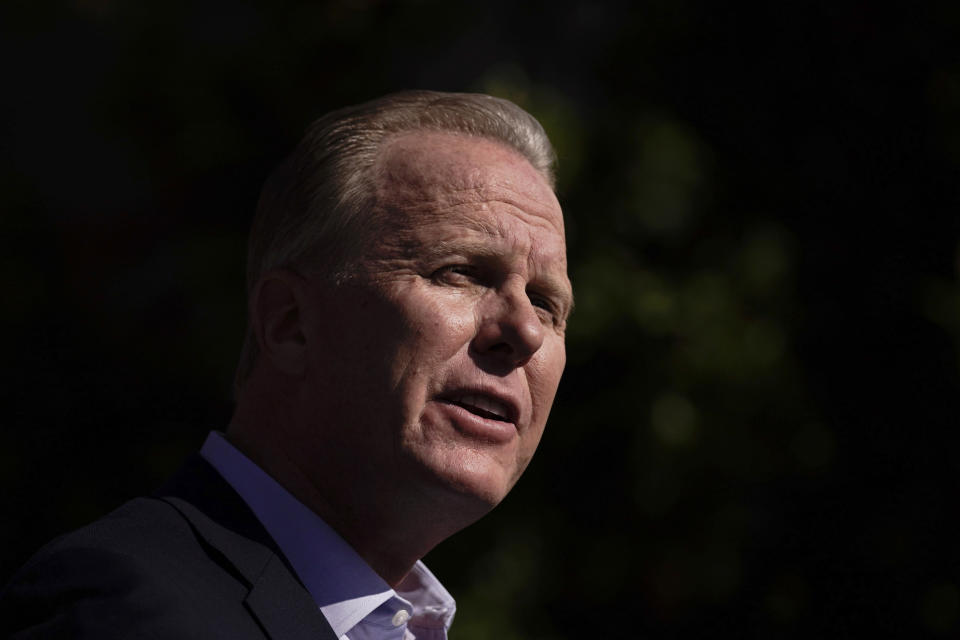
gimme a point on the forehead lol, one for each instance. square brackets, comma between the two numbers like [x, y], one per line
[422, 175]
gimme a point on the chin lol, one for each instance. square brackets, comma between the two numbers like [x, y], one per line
[474, 483]
[486, 492]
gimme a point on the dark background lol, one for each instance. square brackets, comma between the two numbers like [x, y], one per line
[757, 432]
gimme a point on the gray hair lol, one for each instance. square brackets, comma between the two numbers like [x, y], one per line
[312, 209]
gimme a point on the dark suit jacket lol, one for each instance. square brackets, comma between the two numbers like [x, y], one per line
[192, 561]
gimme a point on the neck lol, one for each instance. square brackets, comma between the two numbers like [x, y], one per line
[390, 529]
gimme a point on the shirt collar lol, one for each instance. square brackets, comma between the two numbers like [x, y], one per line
[344, 587]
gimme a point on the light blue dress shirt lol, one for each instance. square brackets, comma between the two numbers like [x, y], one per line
[356, 601]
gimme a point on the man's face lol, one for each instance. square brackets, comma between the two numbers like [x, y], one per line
[433, 369]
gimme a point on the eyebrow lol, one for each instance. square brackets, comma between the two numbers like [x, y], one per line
[447, 247]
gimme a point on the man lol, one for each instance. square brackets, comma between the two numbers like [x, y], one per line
[408, 297]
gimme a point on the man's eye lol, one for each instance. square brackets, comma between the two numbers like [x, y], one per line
[455, 273]
[544, 304]
[541, 303]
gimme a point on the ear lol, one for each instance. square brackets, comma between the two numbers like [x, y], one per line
[277, 313]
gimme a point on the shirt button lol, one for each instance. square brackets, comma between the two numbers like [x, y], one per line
[400, 617]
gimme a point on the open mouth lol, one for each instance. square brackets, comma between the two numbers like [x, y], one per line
[483, 406]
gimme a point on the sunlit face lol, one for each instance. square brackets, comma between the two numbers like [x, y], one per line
[433, 369]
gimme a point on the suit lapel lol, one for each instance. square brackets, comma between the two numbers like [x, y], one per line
[285, 612]
[238, 541]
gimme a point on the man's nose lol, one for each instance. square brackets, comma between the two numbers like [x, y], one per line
[510, 329]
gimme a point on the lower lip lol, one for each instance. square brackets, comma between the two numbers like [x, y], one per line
[474, 426]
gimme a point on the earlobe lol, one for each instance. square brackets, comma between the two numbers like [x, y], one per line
[277, 315]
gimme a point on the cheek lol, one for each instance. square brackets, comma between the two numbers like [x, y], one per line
[443, 326]
[426, 340]
[438, 327]
[543, 376]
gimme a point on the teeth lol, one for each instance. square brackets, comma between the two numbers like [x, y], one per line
[486, 404]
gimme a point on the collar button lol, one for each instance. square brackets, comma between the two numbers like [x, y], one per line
[400, 617]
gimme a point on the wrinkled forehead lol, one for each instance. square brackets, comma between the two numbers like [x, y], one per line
[441, 171]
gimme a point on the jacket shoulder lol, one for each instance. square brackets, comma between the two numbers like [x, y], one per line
[140, 571]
